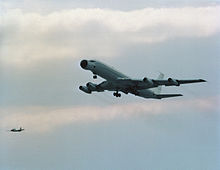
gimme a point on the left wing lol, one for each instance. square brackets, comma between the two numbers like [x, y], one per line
[127, 83]
[175, 82]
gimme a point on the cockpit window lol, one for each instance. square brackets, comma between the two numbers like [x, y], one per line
[92, 60]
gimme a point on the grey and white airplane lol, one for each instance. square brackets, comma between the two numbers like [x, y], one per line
[118, 82]
[17, 130]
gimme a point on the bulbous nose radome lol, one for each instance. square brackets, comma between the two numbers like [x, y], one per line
[83, 63]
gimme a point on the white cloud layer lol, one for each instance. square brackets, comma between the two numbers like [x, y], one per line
[42, 119]
[29, 37]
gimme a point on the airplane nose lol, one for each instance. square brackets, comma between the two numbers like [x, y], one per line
[83, 63]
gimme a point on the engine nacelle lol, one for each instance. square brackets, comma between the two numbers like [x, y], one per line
[173, 82]
[88, 64]
[148, 81]
[91, 86]
[85, 89]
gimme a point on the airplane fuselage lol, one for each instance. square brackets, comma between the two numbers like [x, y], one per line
[16, 130]
[101, 69]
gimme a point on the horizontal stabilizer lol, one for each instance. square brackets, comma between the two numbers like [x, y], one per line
[191, 81]
[160, 96]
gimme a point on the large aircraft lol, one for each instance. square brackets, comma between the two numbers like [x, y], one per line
[17, 130]
[118, 82]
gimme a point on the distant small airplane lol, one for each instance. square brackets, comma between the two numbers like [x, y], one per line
[17, 130]
[116, 81]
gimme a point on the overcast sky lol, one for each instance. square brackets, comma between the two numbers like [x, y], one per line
[41, 45]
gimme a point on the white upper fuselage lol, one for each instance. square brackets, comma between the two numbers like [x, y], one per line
[102, 70]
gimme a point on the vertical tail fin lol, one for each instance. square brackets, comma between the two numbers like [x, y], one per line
[157, 90]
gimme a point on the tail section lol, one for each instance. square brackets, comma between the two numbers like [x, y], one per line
[161, 76]
[157, 90]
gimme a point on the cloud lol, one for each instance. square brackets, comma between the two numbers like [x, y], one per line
[43, 119]
[28, 37]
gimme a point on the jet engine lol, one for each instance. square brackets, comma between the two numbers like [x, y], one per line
[88, 64]
[91, 86]
[148, 81]
[173, 82]
[85, 89]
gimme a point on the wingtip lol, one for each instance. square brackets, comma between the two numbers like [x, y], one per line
[178, 95]
[202, 80]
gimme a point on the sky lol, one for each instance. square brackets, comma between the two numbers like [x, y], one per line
[41, 46]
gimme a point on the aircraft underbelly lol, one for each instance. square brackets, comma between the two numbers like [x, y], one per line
[146, 93]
